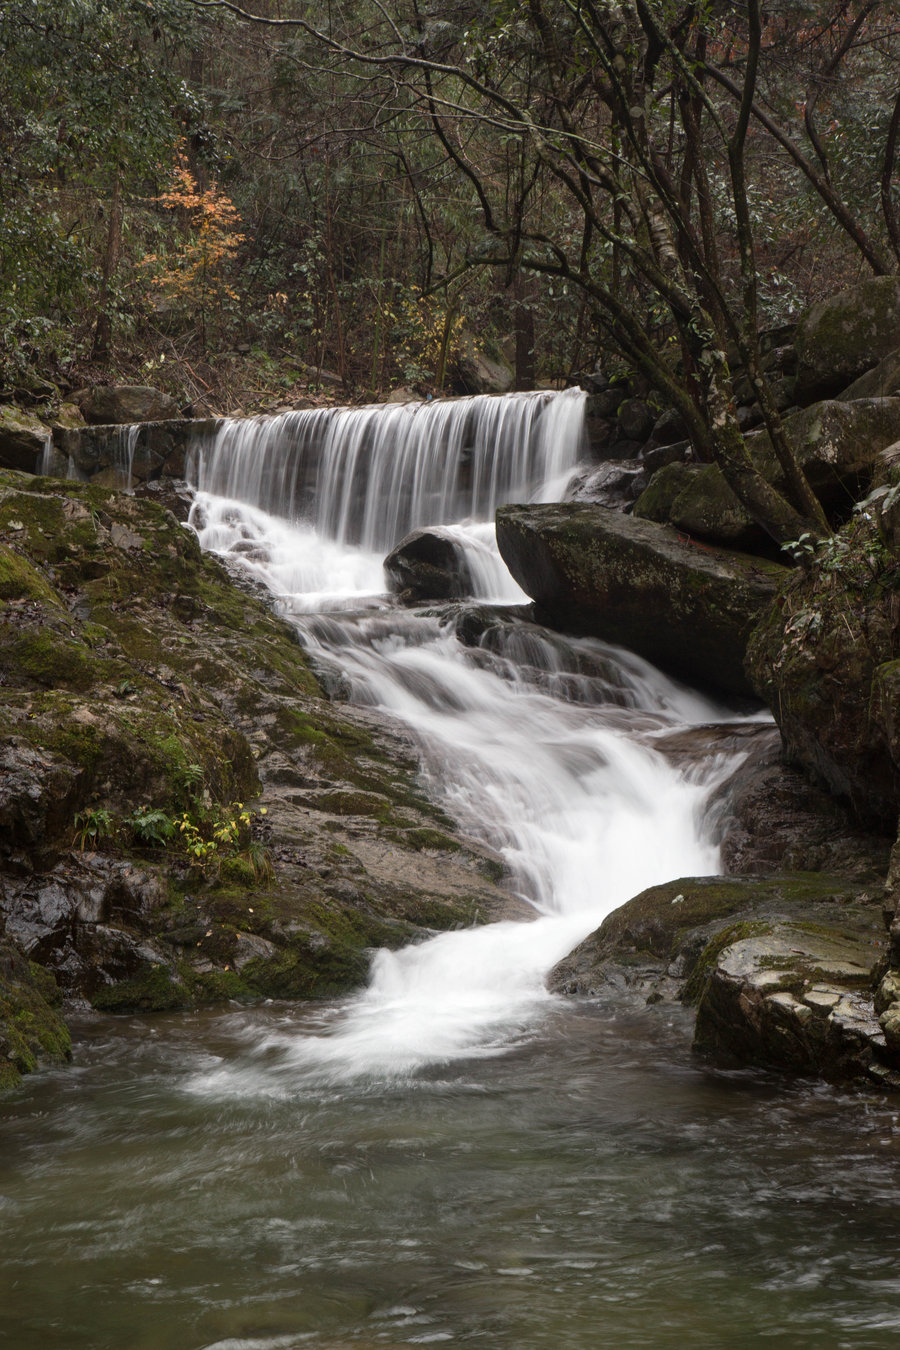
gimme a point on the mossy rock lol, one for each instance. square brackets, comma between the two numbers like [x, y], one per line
[138, 676]
[31, 1029]
[824, 658]
[845, 334]
[668, 932]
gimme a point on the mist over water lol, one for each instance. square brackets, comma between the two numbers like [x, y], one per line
[540, 746]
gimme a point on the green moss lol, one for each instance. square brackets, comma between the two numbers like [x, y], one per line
[425, 838]
[693, 990]
[30, 1028]
[19, 580]
[151, 990]
[45, 657]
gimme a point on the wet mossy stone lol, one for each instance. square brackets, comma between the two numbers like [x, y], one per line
[23, 439]
[695, 498]
[31, 1030]
[664, 931]
[687, 607]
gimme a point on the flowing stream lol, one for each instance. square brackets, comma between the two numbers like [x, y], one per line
[453, 1154]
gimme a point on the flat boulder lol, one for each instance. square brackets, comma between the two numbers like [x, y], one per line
[794, 996]
[779, 968]
[686, 607]
[120, 403]
[844, 335]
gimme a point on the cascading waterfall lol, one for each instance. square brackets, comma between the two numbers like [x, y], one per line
[367, 476]
[548, 748]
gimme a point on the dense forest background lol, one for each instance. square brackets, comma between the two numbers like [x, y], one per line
[228, 202]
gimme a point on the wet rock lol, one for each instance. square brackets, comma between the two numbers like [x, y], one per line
[687, 608]
[141, 686]
[172, 493]
[773, 819]
[615, 484]
[839, 338]
[110, 455]
[779, 968]
[696, 499]
[103, 406]
[657, 456]
[655, 941]
[882, 381]
[794, 997]
[428, 565]
[669, 429]
[31, 1030]
[635, 420]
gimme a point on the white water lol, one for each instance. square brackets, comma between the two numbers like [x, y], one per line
[541, 746]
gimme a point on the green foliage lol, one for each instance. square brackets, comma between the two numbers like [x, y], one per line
[92, 826]
[150, 826]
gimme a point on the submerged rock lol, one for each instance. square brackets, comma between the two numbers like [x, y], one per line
[688, 608]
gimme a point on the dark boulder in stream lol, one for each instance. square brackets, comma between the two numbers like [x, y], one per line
[686, 607]
[428, 565]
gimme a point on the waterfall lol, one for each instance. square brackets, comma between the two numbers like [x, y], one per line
[546, 747]
[368, 476]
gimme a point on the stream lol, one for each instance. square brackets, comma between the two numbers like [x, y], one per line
[452, 1155]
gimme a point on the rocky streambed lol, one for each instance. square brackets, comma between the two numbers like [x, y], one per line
[147, 703]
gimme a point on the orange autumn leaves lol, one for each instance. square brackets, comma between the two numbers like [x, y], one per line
[192, 268]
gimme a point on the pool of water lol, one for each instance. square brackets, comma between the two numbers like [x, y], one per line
[593, 1185]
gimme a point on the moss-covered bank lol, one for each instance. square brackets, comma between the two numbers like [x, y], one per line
[148, 703]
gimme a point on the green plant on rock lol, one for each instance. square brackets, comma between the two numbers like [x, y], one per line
[150, 826]
[92, 826]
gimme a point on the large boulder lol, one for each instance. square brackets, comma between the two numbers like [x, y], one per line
[696, 498]
[428, 565]
[779, 967]
[826, 658]
[686, 607]
[837, 443]
[841, 337]
[120, 403]
[23, 440]
[882, 381]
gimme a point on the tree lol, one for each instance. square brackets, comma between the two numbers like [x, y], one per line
[90, 110]
[613, 131]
